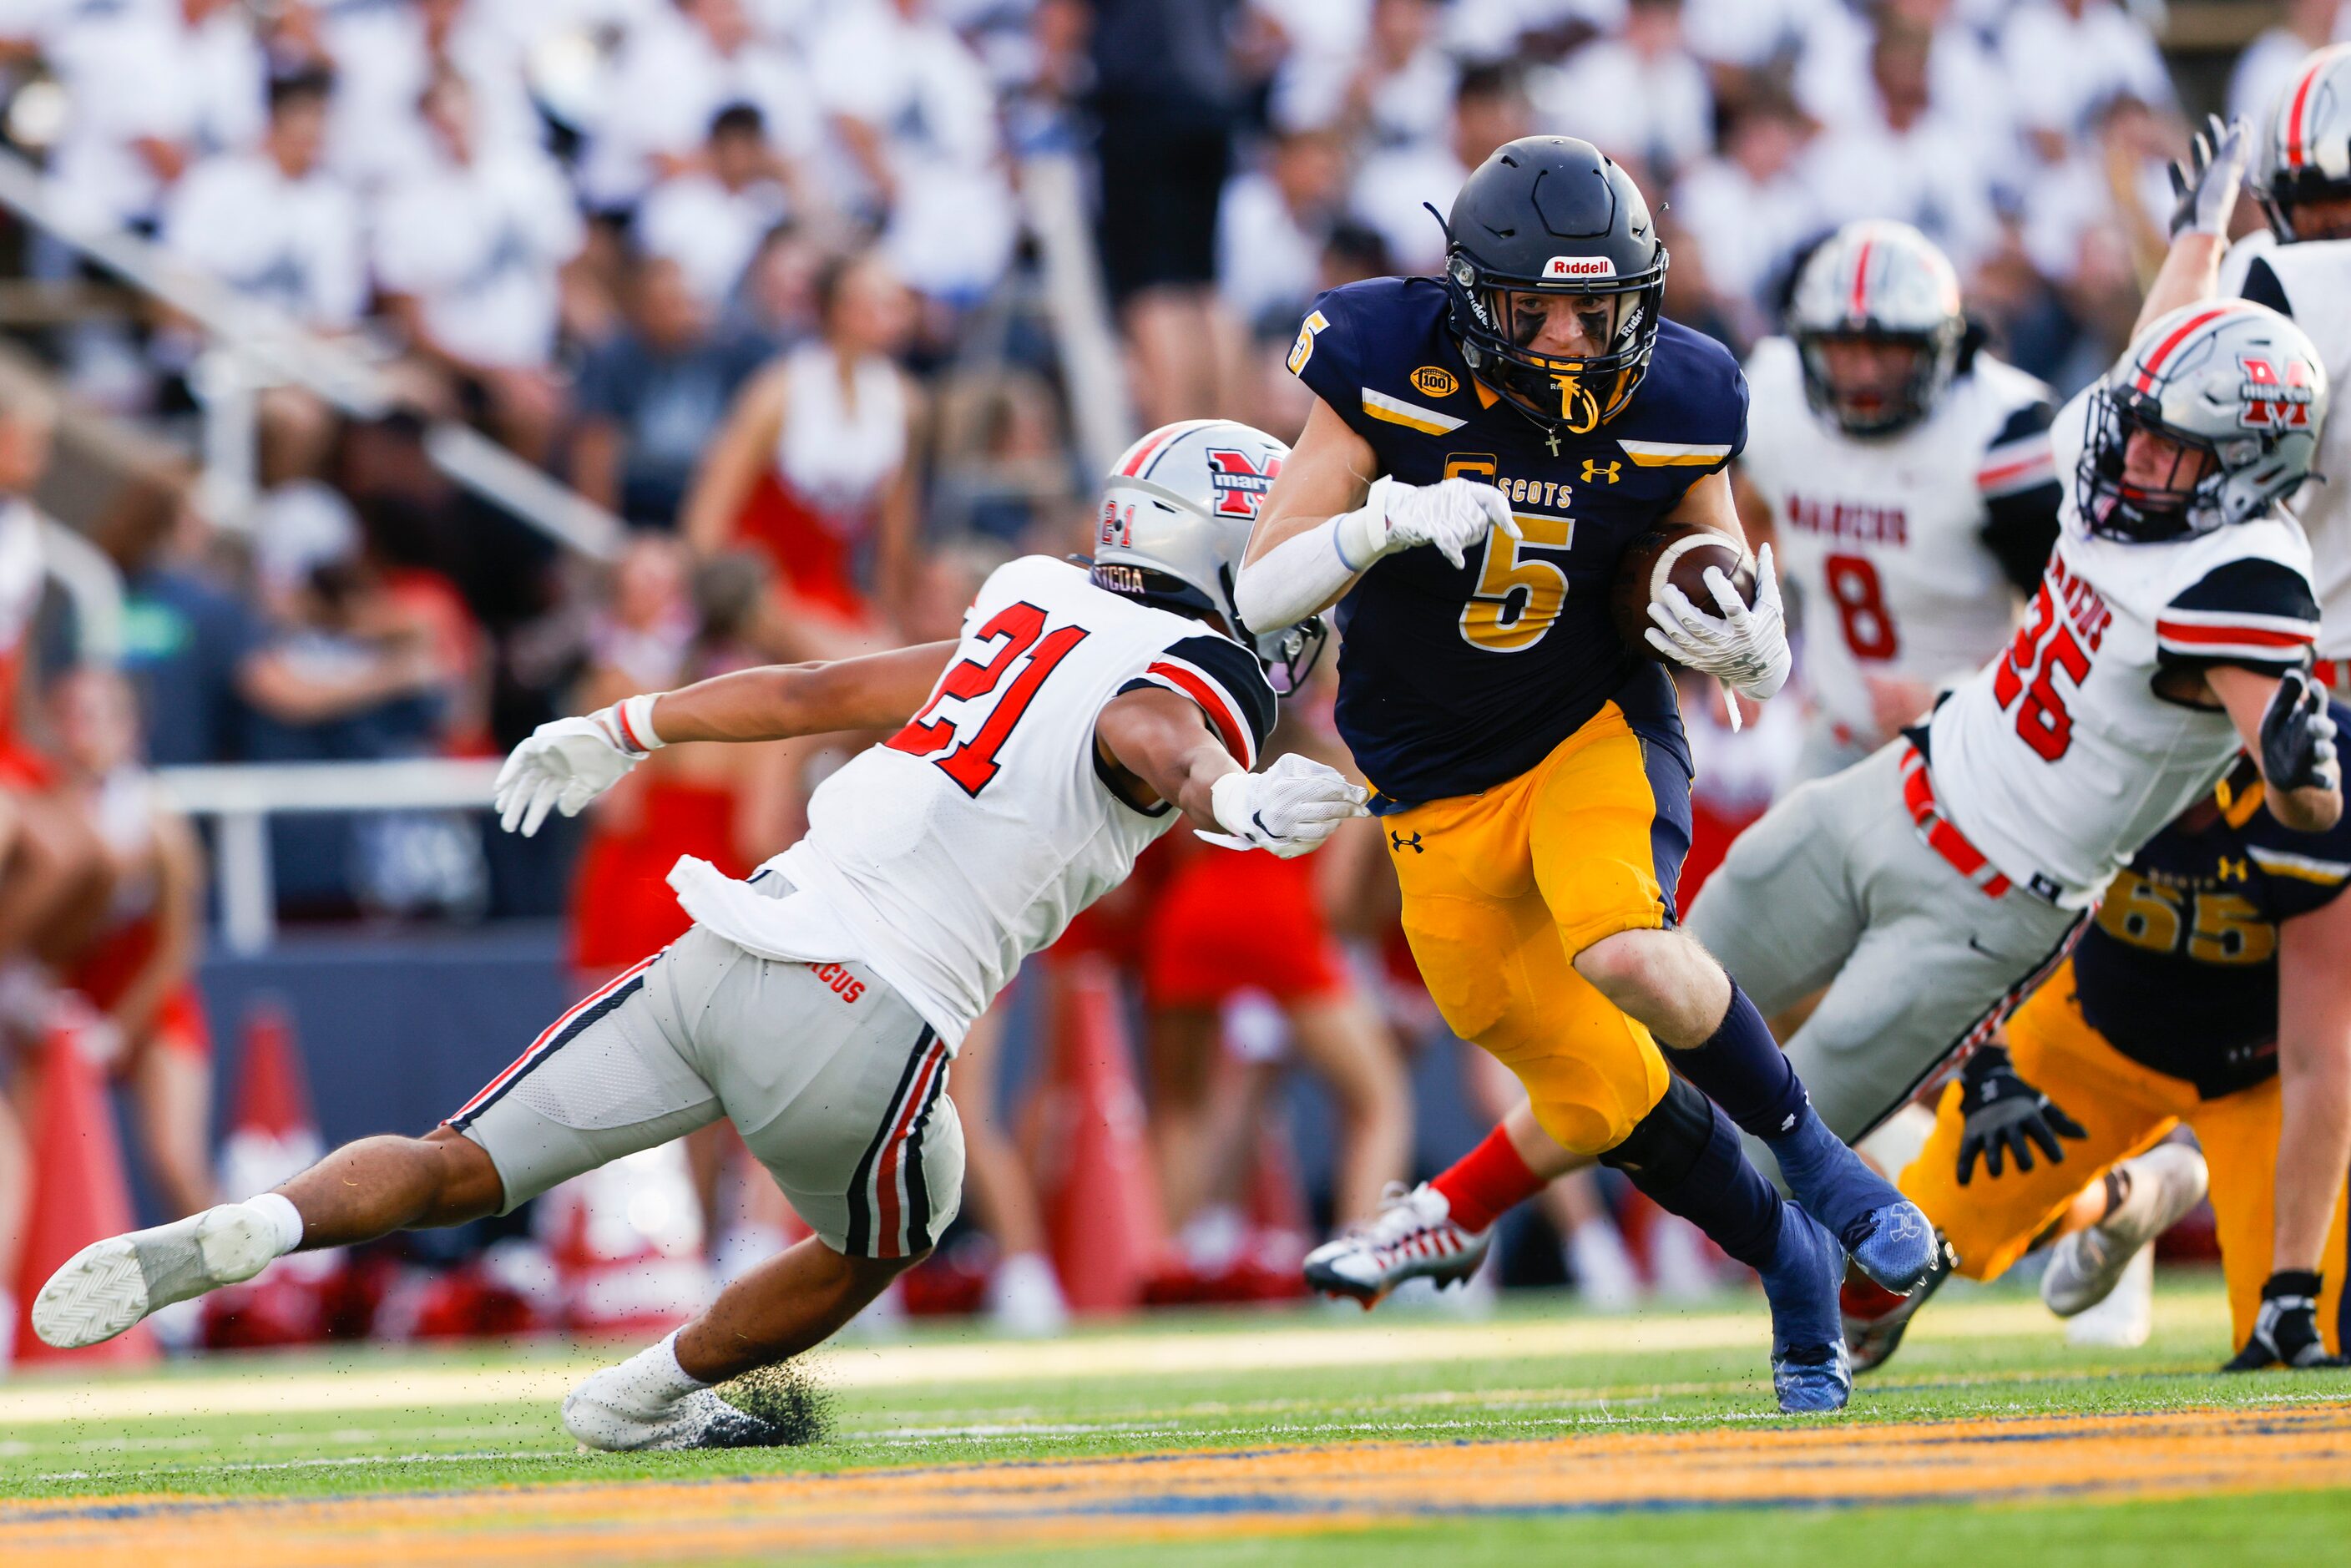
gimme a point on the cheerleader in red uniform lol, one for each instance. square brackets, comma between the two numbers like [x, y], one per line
[812, 469]
[1221, 924]
[139, 969]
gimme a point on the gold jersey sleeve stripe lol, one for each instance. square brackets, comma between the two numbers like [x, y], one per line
[1673, 454]
[2303, 868]
[1411, 415]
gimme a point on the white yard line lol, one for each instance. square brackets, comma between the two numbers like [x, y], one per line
[253, 1388]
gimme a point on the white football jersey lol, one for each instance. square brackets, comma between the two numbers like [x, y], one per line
[2311, 282]
[1887, 541]
[2058, 760]
[948, 853]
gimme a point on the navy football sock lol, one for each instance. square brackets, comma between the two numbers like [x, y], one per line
[1743, 1068]
[1686, 1156]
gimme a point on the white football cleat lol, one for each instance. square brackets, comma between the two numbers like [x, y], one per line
[2166, 1182]
[109, 1285]
[1025, 1300]
[2126, 1319]
[619, 1411]
[1413, 1237]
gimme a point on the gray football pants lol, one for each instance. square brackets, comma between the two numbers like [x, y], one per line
[1835, 887]
[837, 1085]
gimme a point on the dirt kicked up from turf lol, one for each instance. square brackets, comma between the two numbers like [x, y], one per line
[1197, 1497]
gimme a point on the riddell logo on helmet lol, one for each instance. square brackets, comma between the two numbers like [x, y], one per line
[1579, 267]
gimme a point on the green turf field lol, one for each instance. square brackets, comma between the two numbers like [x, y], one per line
[1406, 1426]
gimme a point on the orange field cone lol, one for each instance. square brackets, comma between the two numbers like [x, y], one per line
[1102, 1219]
[275, 1133]
[80, 1194]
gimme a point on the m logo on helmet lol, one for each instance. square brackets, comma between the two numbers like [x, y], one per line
[2271, 402]
[1239, 484]
[1567, 268]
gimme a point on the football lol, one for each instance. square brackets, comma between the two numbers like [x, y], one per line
[1678, 553]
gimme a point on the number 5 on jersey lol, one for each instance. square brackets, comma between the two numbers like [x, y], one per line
[1029, 651]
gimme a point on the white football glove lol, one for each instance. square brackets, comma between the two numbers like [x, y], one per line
[1745, 648]
[1453, 515]
[1290, 808]
[568, 763]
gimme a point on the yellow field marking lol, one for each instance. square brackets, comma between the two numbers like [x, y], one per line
[1198, 1496]
[254, 1387]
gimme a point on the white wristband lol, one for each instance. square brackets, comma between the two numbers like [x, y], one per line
[1228, 800]
[633, 717]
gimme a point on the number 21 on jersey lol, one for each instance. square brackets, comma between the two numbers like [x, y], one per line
[1012, 675]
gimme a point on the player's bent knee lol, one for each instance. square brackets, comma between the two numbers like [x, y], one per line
[1662, 977]
[467, 1184]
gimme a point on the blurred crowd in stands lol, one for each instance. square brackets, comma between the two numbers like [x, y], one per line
[757, 277]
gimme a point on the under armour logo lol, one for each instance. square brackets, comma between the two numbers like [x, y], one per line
[1400, 843]
[1600, 473]
[2234, 869]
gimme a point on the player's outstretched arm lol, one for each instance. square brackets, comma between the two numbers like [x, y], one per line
[1332, 514]
[568, 763]
[2204, 189]
[1161, 749]
[2284, 724]
[2314, 1076]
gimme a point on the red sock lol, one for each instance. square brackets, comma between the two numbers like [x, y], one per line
[1486, 1181]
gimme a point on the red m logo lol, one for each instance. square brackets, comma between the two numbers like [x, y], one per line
[1239, 484]
[2271, 402]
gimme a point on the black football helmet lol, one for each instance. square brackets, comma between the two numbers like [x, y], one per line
[1550, 214]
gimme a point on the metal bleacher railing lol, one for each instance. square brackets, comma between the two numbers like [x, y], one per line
[251, 347]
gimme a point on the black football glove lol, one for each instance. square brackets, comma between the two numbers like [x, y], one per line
[2204, 187]
[2286, 1332]
[2006, 1115]
[2298, 737]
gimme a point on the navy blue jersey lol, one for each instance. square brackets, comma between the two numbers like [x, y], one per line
[2178, 971]
[1453, 680]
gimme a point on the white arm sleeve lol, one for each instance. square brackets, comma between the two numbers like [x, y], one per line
[1308, 571]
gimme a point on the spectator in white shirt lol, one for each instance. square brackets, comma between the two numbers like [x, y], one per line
[386, 56]
[1964, 77]
[2268, 64]
[1490, 108]
[1393, 92]
[469, 250]
[150, 88]
[711, 222]
[1750, 210]
[274, 225]
[1270, 228]
[1908, 161]
[679, 68]
[911, 108]
[2066, 59]
[1738, 36]
[1641, 98]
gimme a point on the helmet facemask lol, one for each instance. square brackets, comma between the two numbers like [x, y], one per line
[1499, 321]
[2144, 481]
[1880, 403]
